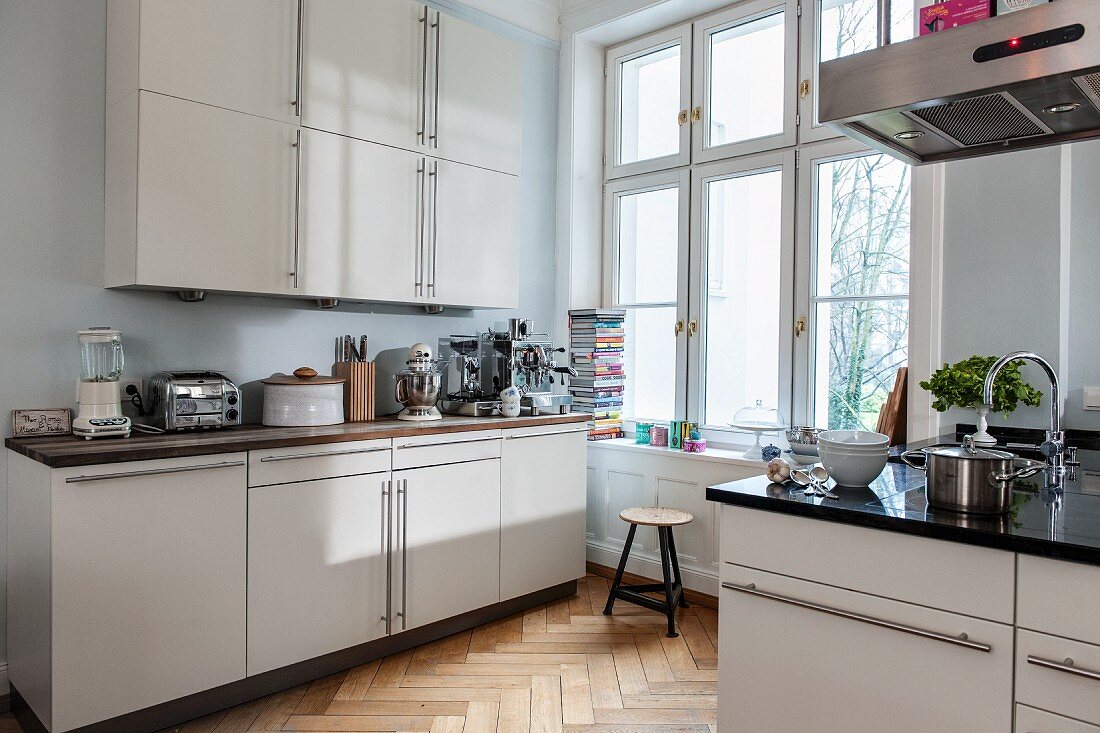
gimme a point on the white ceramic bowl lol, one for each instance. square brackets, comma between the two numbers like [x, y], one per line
[853, 438]
[852, 469]
[801, 449]
[872, 450]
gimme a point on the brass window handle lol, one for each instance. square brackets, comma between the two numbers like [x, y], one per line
[682, 118]
[696, 114]
[678, 328]
[693, 326]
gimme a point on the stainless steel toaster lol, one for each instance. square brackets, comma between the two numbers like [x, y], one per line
[189, 400]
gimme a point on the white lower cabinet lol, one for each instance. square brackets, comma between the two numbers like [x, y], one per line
[316, 568]
[797, 656]
[447, 532]
[1031, 720]
[542, 508]
[1058, 674]
[148, 579]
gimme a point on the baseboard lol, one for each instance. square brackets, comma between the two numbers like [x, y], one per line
[692, 596]
[646, 567]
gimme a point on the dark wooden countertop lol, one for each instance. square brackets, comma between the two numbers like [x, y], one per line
[64, 451]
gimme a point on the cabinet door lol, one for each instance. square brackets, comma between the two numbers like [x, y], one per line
[316, 568]
[542, 513]
[148, 584]
[364, 69]
[447, 555]
[362, 215]
[477, 100]
[215, 199]
[473, 237]
[241, 55]
[785, 668]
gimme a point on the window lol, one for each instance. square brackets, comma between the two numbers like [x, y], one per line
[757, 257]
[860, 288]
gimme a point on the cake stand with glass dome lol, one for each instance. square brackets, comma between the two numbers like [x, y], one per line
[758, 420]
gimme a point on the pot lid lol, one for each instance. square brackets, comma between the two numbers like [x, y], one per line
[970, 454]
[302, 376]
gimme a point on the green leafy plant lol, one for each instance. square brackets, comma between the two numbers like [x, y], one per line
[960, 385]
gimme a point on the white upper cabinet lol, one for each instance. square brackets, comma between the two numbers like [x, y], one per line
[476, 99]
[212, 207]
[362, 219]
[240, 55]
[472, 247]
[364, 69]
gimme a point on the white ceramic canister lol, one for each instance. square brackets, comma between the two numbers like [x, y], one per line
[302, 400]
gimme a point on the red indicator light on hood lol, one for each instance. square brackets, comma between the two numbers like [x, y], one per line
[1014, 42]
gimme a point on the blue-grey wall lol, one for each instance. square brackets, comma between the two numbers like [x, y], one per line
[51, 237]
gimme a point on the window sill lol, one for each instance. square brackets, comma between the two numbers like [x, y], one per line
[729, 455]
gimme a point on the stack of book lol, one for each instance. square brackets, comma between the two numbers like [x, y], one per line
[596, 341]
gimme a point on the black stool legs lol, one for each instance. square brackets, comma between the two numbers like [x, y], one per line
[672, 587]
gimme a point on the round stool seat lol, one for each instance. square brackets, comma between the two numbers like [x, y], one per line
[656, 516]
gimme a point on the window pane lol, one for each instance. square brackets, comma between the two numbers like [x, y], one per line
[744, 249]
[649, 102]
[746, 81]
[848, 26]
[863, 226]
[860, 347]
[901, 21]
[650, 364]
[648, 242]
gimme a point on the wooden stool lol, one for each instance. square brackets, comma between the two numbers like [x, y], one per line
[664, 519]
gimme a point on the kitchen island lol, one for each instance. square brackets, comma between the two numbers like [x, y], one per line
[875, 612]
[154, 579]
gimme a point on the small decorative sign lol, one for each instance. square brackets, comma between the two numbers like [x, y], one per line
[52, 421]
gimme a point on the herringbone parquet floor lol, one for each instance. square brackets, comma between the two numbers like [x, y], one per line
[560, 667]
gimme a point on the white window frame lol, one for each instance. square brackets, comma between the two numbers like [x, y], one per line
[740, 14]
[806, 267]
[616, 56]
[613, 192]
[775, 160]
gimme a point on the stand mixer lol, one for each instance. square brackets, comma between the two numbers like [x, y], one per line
[417, 386]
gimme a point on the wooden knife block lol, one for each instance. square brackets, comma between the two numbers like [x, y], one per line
[358, 389]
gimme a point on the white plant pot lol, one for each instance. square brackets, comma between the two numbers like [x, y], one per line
[981, 435]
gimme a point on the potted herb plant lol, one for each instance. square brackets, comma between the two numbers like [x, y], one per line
[960, 385]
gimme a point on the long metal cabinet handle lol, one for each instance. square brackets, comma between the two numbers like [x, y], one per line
[435, 219]
[435, 102]
[297, 103]
[321, 454]
[387, 505]
[960, 640]
[548, 432]
[404, 502]
[420, 209]
[449, 442]
[1067, 666]
[153, 472]
[422, 122]
[297, 201]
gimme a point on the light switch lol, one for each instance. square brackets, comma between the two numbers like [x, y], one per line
[1092, 398]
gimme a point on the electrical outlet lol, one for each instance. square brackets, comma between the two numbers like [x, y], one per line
[1092, 398]
[124, 384]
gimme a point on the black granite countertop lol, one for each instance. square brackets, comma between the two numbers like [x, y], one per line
[1061, 524]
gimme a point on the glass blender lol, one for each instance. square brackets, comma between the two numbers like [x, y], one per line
[99, 413]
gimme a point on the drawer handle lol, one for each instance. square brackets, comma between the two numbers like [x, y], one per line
[449, 442]
[960, 640]
[550, 432]
[321, 454]
[153, 472]
[1066, 666]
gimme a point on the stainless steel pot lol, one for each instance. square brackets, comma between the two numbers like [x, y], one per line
[968, 479]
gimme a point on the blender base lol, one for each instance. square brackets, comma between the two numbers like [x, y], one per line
[420, 414]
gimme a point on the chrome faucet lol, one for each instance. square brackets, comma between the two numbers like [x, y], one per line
[1054, 447]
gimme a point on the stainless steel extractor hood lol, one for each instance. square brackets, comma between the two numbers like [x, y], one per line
[1020, 80]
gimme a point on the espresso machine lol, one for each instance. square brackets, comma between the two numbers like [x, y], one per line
[523, 359]
[463, 394]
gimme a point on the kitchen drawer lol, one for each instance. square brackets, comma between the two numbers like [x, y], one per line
[1052, 595]
[435, 450]
[955, 577]
[1031, 720]
[535, 431]
[800, 656]
[1072, 689]
[311, 462]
